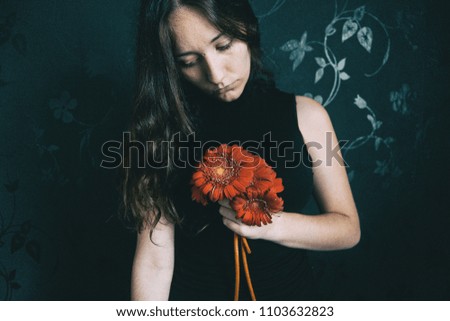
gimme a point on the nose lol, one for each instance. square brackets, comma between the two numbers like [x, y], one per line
[214, 69]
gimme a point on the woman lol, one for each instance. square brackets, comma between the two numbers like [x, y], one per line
[199, 71]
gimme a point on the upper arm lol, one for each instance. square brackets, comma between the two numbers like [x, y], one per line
[331, 186]
[157, 252]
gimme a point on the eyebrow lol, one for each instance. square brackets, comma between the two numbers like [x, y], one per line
[187, 53]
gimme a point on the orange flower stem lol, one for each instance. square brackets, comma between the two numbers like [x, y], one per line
[247, 247]
[236, 267]
[247, 272]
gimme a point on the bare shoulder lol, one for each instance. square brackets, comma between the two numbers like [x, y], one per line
[312, 117]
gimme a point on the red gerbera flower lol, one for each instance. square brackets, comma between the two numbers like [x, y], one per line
[198, 196]
[255, 207]
[225, 172]
[264, 175]
[250, 184]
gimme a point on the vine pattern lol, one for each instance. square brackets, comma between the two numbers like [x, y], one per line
[347, 25]
[23, 237]
[63, 109]
[276, 6]
[352, 25]
[17, 235]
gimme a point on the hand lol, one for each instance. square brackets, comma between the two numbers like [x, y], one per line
[234, 224]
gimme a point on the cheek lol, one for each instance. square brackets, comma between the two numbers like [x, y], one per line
[192, 75]
[244, 58]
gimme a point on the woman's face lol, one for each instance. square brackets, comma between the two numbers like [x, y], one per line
[213, 62]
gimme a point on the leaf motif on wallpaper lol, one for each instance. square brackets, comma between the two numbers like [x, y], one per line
[360, 102]
[52, 148]
[298, 50]
[319, 74]
[378, 142]
[400, 99]
[317, 98]
[349, 29]
[389, 140]
[351, 175]
[290, 45]
[365, 38]
[344, 76]
[341, 64]
[382, 168]
[321, 62]
[63, 106]
[294, 55]
[359, 13]
[375, 124]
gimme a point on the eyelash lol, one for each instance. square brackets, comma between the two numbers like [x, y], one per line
[225, 47]
[219, 48]
[188, 64]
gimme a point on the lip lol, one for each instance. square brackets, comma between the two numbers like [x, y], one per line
[227, 88]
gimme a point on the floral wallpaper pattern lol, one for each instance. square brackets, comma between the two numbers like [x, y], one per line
[65, 88]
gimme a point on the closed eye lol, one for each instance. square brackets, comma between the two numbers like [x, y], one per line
[225, 47]
[188, 64]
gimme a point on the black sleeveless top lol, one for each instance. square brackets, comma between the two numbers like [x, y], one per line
[264, 121]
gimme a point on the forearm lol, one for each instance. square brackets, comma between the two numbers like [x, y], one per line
[153, 263]
[328, 231]
[151, 284]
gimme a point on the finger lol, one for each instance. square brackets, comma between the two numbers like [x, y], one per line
[225, 203]
[228, 213]
[232, 225]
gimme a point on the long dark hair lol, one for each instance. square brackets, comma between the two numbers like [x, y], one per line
[160, 107]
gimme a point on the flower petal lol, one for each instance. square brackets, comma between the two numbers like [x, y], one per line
[278, 185]
[207, 188]
[216, 194]
[230, 191]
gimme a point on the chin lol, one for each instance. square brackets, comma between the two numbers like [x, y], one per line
[230, 95]
[227, 98]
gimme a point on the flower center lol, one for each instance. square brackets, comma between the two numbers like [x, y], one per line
[257, 205]
[222, 174]
[220, 171]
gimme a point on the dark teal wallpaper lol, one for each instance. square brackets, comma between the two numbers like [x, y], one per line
[66, 78]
